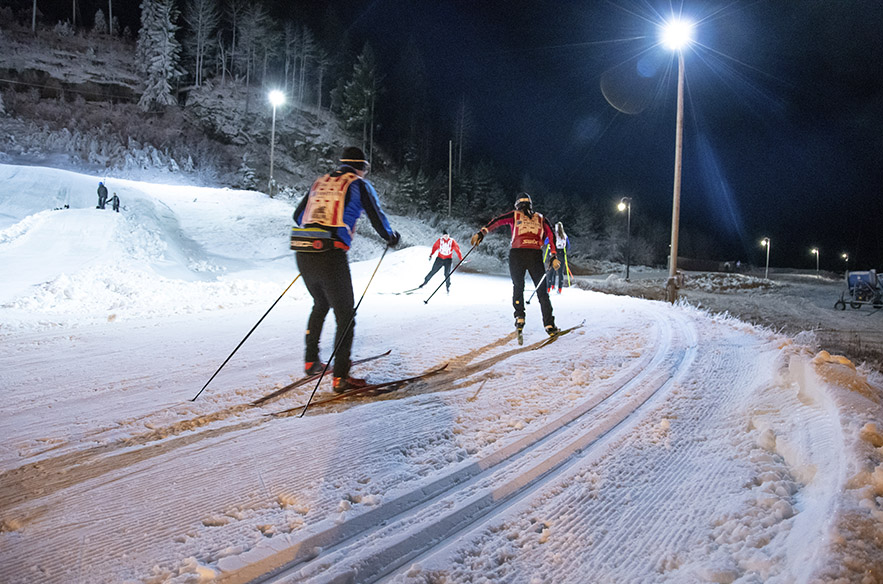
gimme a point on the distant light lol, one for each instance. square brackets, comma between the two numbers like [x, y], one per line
[277, 97]
[765, 241]
[621, 206]
[845, 256]
[814, 250]
[677, 34]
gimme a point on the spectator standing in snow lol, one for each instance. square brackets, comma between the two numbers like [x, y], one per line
[561, 244]
[115, 203]
[445, 246]
[529, 230]
[326, 220]
[102, 195]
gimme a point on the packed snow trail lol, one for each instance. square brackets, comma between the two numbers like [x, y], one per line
[436, 477]
[656, 444]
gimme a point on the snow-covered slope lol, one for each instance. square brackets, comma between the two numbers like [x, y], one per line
[653, 444]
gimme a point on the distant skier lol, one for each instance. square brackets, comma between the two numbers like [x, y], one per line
[115, 203]
[562, 242]
[326, 220]
[529, 229]
[445, 247]
[102, 195]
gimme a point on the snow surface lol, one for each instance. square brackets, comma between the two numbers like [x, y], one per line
[656, 443]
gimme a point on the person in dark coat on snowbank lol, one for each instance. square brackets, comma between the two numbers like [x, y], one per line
[102, 195]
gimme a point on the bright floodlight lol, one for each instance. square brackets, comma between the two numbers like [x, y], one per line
[621, 206]
[765, 241]
[277, 97]
[676, 34]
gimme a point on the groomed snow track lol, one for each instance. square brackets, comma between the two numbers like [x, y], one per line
[585, 471]
[395, 533]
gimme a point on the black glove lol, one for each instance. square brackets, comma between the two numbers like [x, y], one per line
[476, 239]
[393, 239]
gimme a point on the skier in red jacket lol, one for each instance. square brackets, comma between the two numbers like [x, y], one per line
[529, 229]
[445, 247]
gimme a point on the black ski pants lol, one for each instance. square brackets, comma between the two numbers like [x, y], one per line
[531, 261]
[557, 274]
[328, 280]
[439, 264]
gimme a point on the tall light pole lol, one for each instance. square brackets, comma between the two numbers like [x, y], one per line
[277, 98]
[815, 251]
[676, 35]
[625, 204]
[766, 243]
[845, 257]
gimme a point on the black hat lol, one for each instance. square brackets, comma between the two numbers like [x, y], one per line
[444, 231]
[523, 202]
[353, 156]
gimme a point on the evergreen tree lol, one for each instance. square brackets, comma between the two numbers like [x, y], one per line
[251, 34]
[99, 24]
[202, 16]
[360, 94]
[158, 52]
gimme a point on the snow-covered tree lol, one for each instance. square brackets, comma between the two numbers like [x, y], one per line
[232, 13]
[252, 25]
[202, 16]
[246, 174]
[100, 24]
[158, 52]
[300, 51]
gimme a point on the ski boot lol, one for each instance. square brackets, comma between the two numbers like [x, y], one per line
[314, 367]
[552, 330]
[519, 330]
[344, 384]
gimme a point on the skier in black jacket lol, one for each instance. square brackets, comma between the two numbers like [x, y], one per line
[326, 220]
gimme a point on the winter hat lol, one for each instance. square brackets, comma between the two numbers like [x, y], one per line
[444, 231]
[523, 202]
[354, 157]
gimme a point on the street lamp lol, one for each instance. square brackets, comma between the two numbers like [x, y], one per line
[277, 98]
[625, 204]
[676, 36]
[815, 251]
[845, 257]
[766, 243]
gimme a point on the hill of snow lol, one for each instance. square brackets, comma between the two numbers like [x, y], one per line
[655, 443]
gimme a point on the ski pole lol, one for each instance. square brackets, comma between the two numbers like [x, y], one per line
[567, 268]
[537, 288]
[246, 337]
[463, 259]
[343, 336]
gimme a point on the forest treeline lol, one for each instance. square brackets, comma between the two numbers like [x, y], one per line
[186, 50]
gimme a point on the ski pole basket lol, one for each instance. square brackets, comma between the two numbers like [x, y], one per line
[862, 288]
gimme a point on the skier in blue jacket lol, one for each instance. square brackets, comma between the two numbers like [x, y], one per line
[326, 220]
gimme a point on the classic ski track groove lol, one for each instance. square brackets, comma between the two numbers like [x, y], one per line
[61, 470]
[524, 465]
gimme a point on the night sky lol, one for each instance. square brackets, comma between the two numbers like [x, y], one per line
[783, 131]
